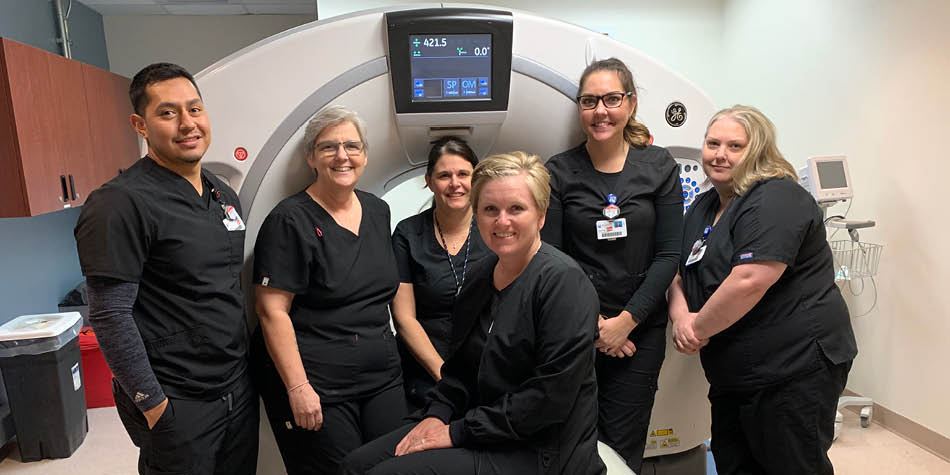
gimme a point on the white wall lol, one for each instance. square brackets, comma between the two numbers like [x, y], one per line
[195, 42]
[868, 79]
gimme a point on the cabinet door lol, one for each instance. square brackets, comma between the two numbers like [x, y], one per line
[41, 160]
[115, 144]
[72, 126]
[12, 191]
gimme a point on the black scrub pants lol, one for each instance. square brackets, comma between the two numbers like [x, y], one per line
[196, 437]
[626, 388]
[378, 458]
[346, 425]
[782, 429]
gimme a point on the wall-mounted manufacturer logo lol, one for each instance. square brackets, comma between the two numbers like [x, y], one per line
[676, 114]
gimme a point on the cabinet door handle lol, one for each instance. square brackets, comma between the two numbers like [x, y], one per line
[62, 182]
[72, 186]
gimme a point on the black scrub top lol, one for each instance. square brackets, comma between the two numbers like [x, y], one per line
[149, 226]
[803, 312]
[629, 273]
[422, 262]
[342, 285]
[523, 376]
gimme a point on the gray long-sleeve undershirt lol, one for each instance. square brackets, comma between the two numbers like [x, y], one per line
[110, 313]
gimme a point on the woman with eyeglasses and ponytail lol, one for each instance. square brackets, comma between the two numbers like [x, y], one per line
[617, 209]
[434, 251]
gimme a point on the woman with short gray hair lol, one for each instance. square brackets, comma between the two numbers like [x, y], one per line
[325, 357]
[334, 115]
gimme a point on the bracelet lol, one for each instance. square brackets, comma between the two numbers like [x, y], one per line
[298, 386]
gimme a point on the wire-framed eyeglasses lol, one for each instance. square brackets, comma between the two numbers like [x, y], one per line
[352, 148]
[611, 100]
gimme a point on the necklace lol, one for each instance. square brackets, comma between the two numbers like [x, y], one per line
[468, 246]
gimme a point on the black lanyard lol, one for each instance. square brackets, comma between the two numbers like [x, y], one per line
[468, 245]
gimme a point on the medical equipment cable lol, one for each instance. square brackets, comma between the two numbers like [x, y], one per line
[873, 303]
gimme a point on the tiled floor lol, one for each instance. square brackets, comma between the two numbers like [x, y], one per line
[108, 451]
[876, 450]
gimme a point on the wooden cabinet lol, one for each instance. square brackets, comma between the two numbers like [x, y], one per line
[115, 144]
[64, 130]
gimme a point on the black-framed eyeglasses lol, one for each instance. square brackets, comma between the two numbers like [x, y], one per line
[611, 100]
[352, 148]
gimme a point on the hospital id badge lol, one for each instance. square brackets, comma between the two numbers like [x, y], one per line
[232, 220]
[696, 255]
[611, 229]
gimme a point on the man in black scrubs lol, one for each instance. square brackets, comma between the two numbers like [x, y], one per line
[162, 248]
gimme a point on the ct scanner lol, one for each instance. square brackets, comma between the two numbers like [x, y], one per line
[502, 79]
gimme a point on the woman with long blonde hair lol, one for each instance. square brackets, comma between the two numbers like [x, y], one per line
[755, 296]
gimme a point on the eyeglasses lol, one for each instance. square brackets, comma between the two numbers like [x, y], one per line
[611, 100]
[352, 148]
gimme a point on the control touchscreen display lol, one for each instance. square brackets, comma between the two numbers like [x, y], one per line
[450, 67]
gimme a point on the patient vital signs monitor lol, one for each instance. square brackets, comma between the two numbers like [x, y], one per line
[827, 178]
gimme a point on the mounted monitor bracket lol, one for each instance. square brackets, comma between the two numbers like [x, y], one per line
[451, 75]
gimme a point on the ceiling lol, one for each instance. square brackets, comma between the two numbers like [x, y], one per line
[202, 7]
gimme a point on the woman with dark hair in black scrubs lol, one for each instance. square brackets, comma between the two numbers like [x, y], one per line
[756, 296]
[617, 209]
[519, 395]
[325, 275]
[434, 251]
